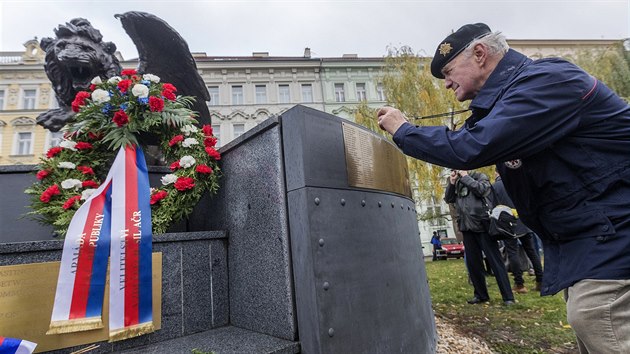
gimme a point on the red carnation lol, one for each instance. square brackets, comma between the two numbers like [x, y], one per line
[89, 184]
[207, 130]
[128, 72]
[213, 153]
[210, 141]
[204, 169]
[92, 87]
[79, 100]
[86, 170]
[169, 87]
[175, 166]
[53, 151]
[169, 95]
[176, 139]
[184, 183]
[82, 145]
[156, 104]
[42, 174]
[123, 85]
[70, 202]
[120, 118]
[157, 196]
[49, 193]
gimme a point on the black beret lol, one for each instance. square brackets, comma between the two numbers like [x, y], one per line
[454, 44]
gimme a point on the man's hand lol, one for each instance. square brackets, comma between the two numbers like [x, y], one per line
[463, 173]
[390, 119]
[453, 177]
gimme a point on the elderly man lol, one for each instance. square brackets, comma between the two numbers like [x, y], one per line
[560, 140]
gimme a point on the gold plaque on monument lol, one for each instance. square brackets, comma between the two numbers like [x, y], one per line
[373, 162]
[27, 294]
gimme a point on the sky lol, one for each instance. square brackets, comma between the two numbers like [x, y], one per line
[330, 28]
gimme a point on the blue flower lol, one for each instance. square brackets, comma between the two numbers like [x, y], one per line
[143, 100]
[146, 83]
[124, 106]
[107, 107]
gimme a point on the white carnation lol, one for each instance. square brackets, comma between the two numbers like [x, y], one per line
[188, 142]
[68, 144]
[140, 90]
[96, 81]
[114, 80]
[100, 96]
[66, 164]
[187, 161]
[87, 193]
[151, 77]
[168, 179]
[71, 183]
[188, 129]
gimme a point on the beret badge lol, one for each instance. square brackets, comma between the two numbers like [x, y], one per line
[445, 48]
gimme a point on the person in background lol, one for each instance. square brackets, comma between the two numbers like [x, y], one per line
[468, 191]
[435, 241]
[560, 140]
[500, 196]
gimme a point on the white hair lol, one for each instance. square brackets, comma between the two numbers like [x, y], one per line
[495, 42]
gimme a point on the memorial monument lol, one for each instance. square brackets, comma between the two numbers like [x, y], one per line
[311, 245]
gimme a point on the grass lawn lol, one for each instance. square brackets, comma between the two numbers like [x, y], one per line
[534, 324]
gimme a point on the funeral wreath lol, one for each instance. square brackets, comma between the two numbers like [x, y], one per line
[120, 112]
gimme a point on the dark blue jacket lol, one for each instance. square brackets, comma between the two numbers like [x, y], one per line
[561, 142]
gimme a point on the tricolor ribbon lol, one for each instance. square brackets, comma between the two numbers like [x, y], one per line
[115, 220]
[16, 346]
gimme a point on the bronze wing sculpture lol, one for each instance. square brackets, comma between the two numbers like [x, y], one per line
[78, 54]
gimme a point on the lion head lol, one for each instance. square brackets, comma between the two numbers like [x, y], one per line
[73, 59]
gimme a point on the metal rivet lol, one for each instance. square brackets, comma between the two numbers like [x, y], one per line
[408, 208]
[363, 203]
[343, 202]
[402, 206]
[316, 201]
[392, 205]
[326, 285]
[331, 332]
[379, 204]
[321, 242]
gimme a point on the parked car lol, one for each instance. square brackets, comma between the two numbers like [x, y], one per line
[451, 248]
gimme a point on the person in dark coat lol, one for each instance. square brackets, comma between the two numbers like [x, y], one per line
[437, 244]
[468, 191]
[501, 197]
[560, 140]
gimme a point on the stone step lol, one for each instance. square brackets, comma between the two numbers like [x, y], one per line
[224, 340]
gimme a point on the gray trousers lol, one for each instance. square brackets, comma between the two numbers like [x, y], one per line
[599, 313]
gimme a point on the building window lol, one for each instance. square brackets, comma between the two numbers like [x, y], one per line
[1, 100]
[28, 99]
[340, 95]
[216, 131]
[237, 94]
[24, 143]
[261, 93]
[54, 139]
[380, 92]
[361, 94]
[214, 95]
[239, 129]
[284, 95]
[307, 93]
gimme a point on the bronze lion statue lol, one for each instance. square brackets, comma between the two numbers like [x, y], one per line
[73, 59]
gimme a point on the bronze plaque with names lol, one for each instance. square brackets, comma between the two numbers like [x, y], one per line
[27, 294]
[373, 162]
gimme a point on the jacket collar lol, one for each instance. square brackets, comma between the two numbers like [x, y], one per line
[507, 67]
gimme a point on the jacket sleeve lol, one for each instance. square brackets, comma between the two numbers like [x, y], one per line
[480, 185]
[449, 194]
[535, 111]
